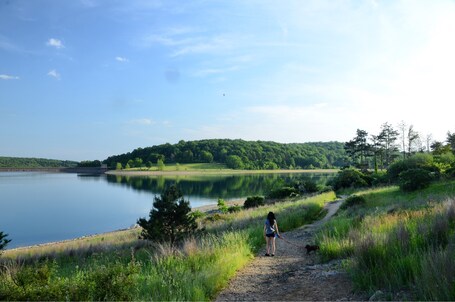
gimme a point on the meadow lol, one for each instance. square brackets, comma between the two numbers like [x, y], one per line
[118, 266]
[400, 243]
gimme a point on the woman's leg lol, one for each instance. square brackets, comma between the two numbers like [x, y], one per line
[273, 245]
[268, 245]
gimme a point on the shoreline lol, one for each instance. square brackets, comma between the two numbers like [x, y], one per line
[214, 172]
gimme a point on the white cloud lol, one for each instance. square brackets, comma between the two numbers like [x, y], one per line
[8, 77]
[54, 74]
[122, 59]
[55, 43]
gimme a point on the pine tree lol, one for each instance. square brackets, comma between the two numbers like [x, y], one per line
[3, 241]
[169, 219]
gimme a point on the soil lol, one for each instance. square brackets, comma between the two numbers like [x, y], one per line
[292, 275]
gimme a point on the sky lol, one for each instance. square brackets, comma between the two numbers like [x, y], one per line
[87, 79]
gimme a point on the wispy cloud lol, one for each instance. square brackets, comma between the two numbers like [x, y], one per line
[54, 74]
[189, 41]
[55, 43]
[215, 71]
[122, 59]
[8, 77]
[142, 121]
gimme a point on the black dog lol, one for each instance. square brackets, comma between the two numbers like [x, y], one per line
[311, 248]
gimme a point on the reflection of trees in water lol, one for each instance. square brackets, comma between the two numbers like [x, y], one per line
[231, 186]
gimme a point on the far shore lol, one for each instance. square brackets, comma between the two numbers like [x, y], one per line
[213, 172]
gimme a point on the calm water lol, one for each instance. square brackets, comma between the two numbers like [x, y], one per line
[45, 207]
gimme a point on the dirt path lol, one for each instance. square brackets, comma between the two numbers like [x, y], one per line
[292, 275]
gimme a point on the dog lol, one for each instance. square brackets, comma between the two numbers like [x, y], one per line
[311, 248]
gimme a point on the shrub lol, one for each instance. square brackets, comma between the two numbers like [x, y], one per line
[418, 161]
[253, 202]
[353, 200]
[283, 192]
[309, 186]
[349, 178]
[414, 179]
[233, 209]
[222, 207]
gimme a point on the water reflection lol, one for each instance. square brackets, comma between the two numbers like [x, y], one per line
[213, 187]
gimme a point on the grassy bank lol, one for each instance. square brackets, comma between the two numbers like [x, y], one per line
[137, 270]
[398, 242]
[204, 168]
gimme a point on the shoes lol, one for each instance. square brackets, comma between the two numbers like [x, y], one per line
[273, 255]
[267, 255]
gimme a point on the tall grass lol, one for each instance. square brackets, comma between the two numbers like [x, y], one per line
[196, 270]
[398, 241]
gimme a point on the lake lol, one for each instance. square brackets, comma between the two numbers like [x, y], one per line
[41, 207]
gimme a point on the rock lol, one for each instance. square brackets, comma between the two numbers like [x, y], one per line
[377, 296]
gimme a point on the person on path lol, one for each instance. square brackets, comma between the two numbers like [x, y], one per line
[270, 232]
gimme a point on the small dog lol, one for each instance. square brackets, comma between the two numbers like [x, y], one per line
[311, 248]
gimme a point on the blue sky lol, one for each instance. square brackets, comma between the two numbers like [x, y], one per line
[86, 79]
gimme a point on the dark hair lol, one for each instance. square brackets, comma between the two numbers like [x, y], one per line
[271, 218]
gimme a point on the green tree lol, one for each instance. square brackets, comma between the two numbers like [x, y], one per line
[138, 162]
[206, 157]
[160, 164]
[3, 241]
[118, 166]
[451, 140]
[387, 140]
[359, 148]
[169, 219]
[234, 162]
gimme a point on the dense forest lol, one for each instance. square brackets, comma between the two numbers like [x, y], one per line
[21, 162]
[238, 154]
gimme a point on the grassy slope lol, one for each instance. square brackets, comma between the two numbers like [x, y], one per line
[398, 241]
[195, 271]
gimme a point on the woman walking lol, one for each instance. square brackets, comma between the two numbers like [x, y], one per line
[270, 232]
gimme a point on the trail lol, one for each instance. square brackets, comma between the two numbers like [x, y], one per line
[292, 275]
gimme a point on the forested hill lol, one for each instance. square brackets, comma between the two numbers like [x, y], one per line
[239, 154]
[27, 163]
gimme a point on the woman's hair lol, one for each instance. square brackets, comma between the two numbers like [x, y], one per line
[271, 218]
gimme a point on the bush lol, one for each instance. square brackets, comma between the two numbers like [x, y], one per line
[253, 202]
[309, 186]
[418, 161]
[222, 207]
[234, 209]
[353, 200]
[283, 192]
[349, 178]
[414, 179]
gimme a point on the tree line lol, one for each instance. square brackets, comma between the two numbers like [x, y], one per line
[23, 162]
[382, 149]
[238, 154]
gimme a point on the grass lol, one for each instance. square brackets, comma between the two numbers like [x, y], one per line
[211, 168]
[398, 241]
[196, 270]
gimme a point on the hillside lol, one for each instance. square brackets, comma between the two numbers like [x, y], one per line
[28, 163]
[240, 154]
